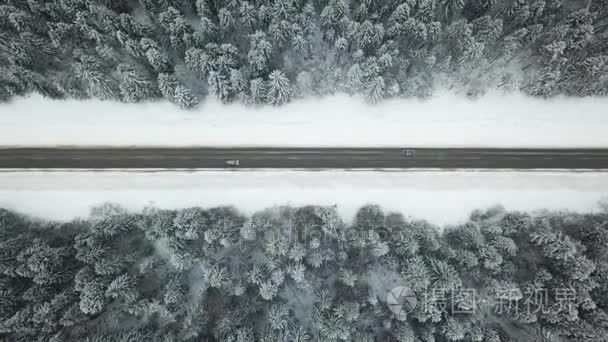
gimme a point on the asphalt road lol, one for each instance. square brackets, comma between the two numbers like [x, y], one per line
[313, 158]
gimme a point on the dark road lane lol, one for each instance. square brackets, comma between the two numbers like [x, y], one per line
[314, 158]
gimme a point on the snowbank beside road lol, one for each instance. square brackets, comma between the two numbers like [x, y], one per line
[445, 121]
[439, 197]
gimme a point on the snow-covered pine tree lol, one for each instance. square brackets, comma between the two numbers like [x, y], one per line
[134, 87]
[278, 88]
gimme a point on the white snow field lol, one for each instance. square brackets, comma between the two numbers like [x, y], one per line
[494, 120]
[439, 197]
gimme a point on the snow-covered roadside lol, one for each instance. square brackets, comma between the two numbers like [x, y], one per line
[440, 197]
[446, 120]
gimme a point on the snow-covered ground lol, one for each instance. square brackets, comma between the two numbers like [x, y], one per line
[446, 120]
[440, 197]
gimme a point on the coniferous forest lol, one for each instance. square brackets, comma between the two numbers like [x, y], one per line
[302, 274]
[273, 51]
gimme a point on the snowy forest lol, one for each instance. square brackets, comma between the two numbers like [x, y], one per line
[274, 51]
[302, 274]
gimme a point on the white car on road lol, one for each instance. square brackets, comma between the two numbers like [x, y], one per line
[408, 153]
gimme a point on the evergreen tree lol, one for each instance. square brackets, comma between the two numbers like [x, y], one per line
[219, 85]
[278, 88]
[376, 89]
[184, 98]
[260, 52]
[134, 87]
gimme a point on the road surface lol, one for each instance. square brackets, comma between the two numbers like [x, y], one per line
[293, 158]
